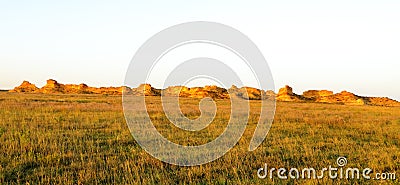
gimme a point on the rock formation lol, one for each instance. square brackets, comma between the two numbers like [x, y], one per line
[382, 101]
[342, 98]
[270, 93]
[313, 94]
[52, 86]
[25, 87]
[105, 90]
[348, 98]
[285, 94]
[250, 93]
[146, 90]
[76, 89]
[196, 92]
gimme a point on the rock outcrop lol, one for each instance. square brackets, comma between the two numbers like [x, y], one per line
[25, 87]
[105, 90]
[325, 96]
[313, 94]
[382, 101]
[250, 93]
[343, 97]
[348, 98]
[76, 89]
[196, 92]
[285, 94]
[146, 90]
[52, 86]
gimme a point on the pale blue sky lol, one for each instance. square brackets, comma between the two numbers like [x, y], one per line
[336, 45]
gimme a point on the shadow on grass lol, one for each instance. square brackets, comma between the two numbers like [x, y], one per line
[20, 172]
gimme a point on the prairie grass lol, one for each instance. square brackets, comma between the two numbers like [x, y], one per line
[84, 139]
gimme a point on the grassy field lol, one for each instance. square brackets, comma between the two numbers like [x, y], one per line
[84, 139]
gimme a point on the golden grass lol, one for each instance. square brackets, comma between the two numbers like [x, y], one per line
[83, 139]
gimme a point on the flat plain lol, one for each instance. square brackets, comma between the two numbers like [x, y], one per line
[84, 139]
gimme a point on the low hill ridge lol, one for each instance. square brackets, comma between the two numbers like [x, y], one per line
[284, 94]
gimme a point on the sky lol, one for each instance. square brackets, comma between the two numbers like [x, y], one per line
[336, 45]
